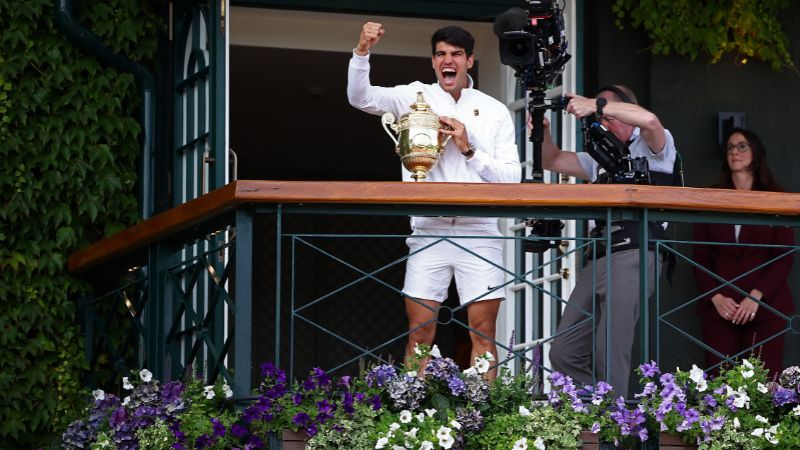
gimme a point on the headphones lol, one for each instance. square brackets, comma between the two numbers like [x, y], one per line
[622, 95]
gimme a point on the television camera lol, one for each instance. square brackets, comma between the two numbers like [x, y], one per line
[612, 154]
[533, 42]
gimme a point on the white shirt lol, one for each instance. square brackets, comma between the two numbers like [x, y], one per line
[487, 121]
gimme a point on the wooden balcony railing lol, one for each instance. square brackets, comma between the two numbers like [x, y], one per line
[154, 243]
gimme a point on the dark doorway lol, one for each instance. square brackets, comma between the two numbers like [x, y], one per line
[290, 119]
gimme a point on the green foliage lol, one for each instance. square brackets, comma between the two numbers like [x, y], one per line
[743, 28]
[68, 144]
[541, 427]
[351, 432]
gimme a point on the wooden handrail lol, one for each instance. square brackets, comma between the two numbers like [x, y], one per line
[463, 194]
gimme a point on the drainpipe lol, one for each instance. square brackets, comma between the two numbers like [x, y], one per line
[67, 22]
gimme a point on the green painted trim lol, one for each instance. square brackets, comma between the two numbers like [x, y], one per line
[471, 10]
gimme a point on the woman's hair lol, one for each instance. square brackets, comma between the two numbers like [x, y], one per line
[762, 176]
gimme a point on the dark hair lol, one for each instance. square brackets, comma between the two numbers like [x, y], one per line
[455, 36]
[762, 176]
[622, 92]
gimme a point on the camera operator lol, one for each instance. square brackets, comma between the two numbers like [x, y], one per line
[571, 352]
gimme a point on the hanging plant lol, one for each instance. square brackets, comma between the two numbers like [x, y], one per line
[743, 28]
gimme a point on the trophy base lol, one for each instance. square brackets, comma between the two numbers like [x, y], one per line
[420, 175]
[419, 161]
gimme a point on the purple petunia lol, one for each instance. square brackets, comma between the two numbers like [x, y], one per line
[650, 370]
[217, 427]
[783, 396]
[301, 419]
[238, 430]
[380, 375]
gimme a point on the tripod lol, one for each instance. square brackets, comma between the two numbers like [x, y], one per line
[537, 108]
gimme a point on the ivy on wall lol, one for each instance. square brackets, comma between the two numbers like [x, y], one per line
[68, 145]
[742, 28]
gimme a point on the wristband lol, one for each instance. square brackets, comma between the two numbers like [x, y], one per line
[600, 103]
[470, 151]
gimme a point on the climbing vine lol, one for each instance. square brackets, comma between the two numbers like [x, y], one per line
[68, 145]
[744, 29]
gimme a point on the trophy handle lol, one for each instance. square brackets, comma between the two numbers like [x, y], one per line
[387, 120]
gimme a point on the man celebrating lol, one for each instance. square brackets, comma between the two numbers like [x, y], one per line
[571, 352]
[482, 150]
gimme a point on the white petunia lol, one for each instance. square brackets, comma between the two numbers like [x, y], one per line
[521, 444]
[394, 426]
[736, 423]
[126, 400]
[488, 356]
[412, 433]
[421, 417]
[435, 351]
[747, 363]
[227, 391]
[702, 385]
[481, 365]
[398, 447]
[539, 443]
[741, 400]
[470, 371]
[98, 394]
[126, 384]
[426, 445]
[411, 374]
[405, 416]
[430, 412]
[145, 375]
[747, 374]
[208, 392]
[761, 388]
[446, 442]
[796, 410]
[381, 443]
[443, 432]
[761, 418]
[758, 432]
[523, 411]
[696, 374]
[771, 438]
[417, 350]
[455, 424]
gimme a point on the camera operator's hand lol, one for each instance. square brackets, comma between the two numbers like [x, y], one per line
[581, 106]
[545, 125]
[457, 131]
[371, 33]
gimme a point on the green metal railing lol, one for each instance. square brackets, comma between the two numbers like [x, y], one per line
[163, 316]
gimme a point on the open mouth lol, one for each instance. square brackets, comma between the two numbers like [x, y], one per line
[449, 74]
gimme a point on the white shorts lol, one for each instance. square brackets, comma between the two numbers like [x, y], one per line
[429, 271]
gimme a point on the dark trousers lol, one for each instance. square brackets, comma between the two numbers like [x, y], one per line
[571, 352]
[730, 339]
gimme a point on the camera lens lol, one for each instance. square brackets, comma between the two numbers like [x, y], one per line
[518, 49]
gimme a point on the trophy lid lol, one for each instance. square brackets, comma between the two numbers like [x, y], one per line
[420, 105]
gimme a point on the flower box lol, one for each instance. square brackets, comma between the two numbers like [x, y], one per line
[672, 442]
[292, 440]
[664, 441]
